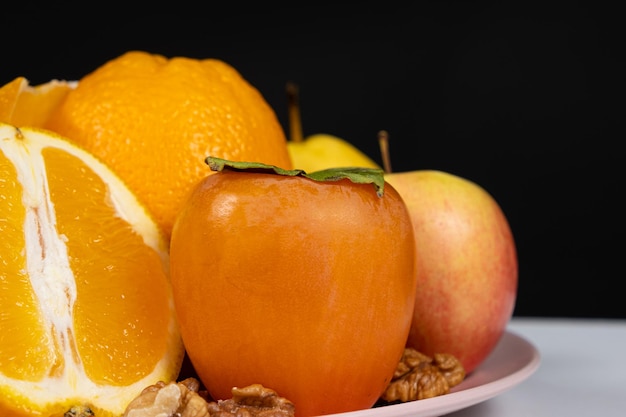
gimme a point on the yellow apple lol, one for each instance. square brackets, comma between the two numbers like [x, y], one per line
[467, 268]
[322, 151]
[319, 151]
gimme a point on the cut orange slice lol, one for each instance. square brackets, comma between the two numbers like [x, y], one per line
[86, 307]
[22, 104]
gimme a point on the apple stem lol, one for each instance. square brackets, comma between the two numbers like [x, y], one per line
[293, 109]
[383, 143]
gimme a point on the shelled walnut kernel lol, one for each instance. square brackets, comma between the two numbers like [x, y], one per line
[171, 399]
[183, 399]
[253, 401]
[419, 376]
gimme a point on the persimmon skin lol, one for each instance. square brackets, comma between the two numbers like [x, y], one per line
[305, 287]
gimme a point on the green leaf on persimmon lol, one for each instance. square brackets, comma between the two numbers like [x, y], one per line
[357, 175]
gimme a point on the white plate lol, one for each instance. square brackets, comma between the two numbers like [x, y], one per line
[513, 360]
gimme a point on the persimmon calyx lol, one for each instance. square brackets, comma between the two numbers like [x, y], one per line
[357, 175]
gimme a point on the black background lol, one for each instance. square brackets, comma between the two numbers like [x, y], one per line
[526, 99]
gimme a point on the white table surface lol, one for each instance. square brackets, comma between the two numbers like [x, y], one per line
[582, 371]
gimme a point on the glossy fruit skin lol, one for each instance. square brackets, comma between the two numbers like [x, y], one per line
[305, 287]
[467, 265]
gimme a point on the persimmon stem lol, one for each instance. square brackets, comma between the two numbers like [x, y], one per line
[383, 143]
[293, 109]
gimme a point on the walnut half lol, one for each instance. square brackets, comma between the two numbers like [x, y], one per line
[253, 401]
[419, 376]
[168, 400]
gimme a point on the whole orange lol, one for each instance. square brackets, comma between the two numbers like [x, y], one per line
[153, 120]
[304, 286]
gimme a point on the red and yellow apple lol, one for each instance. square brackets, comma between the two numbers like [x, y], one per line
[467, 270]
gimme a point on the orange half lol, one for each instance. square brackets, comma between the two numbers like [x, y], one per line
[86, 307]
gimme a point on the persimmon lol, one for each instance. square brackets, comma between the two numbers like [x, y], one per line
[304, 283]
